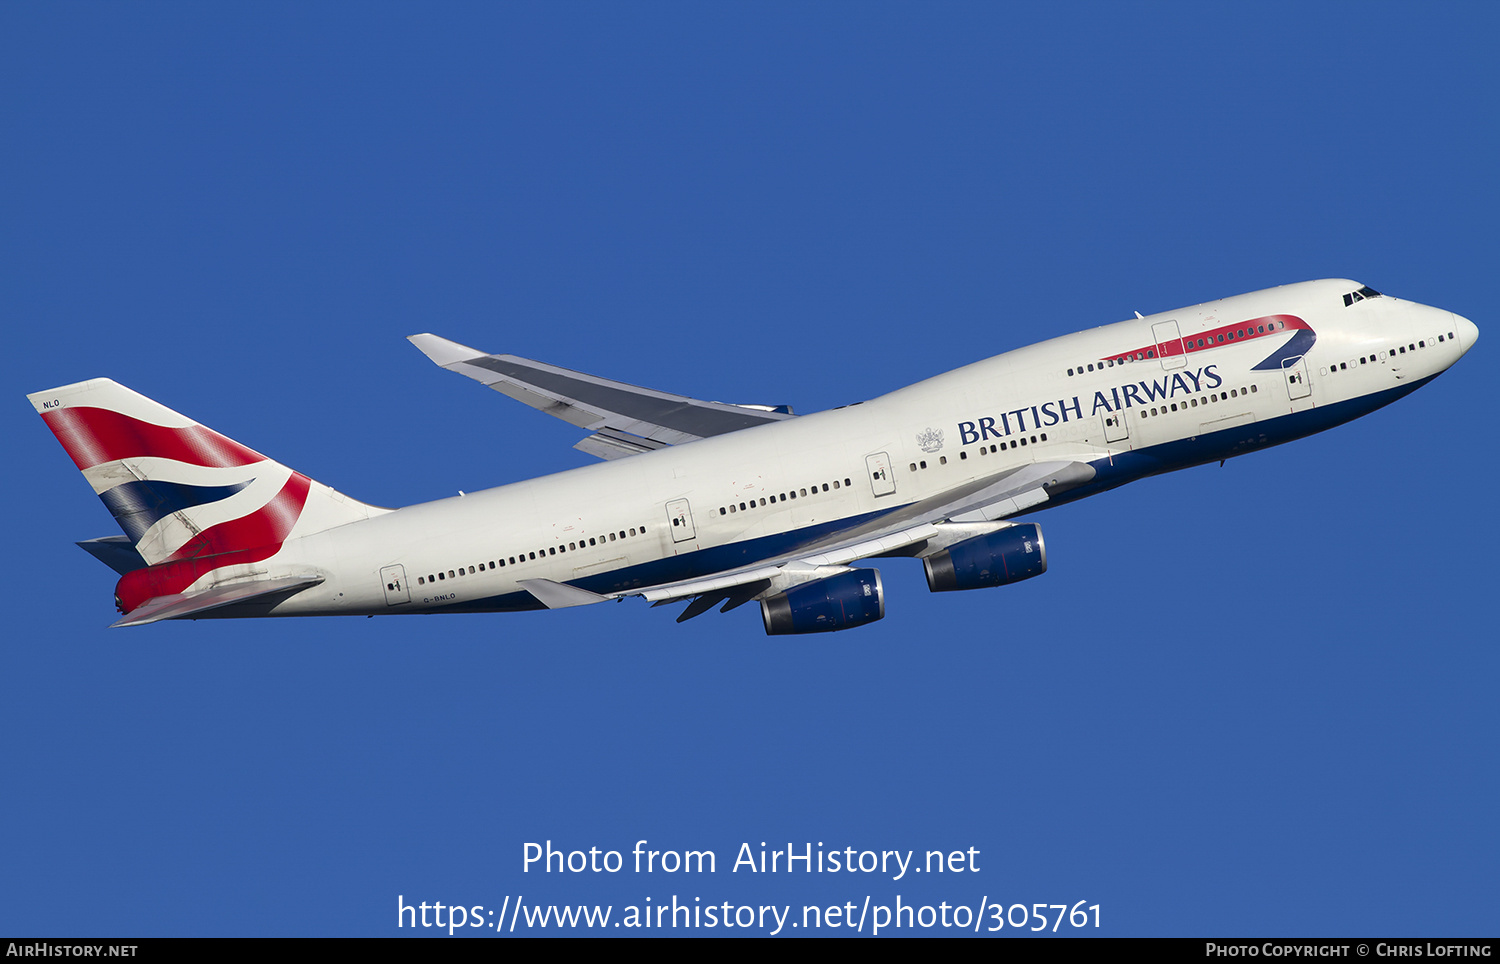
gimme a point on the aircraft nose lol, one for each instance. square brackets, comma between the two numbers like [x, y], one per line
[1467, 331]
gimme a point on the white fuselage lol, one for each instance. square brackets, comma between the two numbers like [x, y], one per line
[710, 505]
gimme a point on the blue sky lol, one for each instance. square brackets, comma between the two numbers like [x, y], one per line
[1245, 700]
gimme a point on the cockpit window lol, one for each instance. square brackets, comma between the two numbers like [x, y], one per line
[1360, 295]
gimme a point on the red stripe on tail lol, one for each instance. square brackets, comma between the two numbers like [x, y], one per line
[93, 436]
[252, 538]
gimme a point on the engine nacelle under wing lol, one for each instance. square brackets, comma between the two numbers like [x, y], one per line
[843, 601]
[997, 559]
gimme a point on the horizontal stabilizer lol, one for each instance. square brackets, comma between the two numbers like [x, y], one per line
[626, 419]
[178, 606]
[116, 552]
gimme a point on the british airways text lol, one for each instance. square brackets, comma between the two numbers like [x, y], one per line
[1184, 382]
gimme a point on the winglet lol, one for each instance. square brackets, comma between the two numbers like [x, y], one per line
[442, 351]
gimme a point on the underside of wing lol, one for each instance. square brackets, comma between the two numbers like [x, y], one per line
[916, 529]
[624, 419]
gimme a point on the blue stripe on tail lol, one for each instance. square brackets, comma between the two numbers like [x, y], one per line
[138, 505]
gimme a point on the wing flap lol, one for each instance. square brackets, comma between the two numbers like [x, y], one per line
[608, 443]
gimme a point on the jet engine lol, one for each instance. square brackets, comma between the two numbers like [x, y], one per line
[848, 599]
[997, 559]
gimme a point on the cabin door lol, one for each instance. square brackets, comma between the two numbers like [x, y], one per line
[879, 468]
[1115, 429]
[1295, 372]
[681, 518]
[1169, 344]
[394, 578]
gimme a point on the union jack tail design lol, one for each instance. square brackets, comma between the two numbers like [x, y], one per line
[191, 500]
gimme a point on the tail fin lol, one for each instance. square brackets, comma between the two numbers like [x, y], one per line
[181, 491]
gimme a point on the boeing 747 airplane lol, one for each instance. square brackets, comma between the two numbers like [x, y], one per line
[713, 503]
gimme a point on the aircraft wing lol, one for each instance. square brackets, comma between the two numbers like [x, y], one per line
[624, 419]
[904, 531]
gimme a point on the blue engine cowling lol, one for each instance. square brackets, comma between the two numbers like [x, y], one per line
[1000, 558]
[849, 599]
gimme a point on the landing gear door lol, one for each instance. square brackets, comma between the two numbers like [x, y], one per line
[1295, 372]
[1169, 344]
[394, 579]
[681, 518]
[879, 468]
